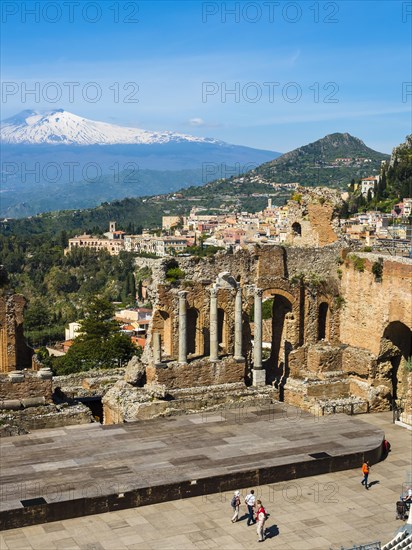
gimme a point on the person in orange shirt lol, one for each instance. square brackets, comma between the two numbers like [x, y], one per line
[365, 470]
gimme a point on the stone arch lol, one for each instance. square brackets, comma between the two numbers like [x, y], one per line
[396, 347]
[162, 323]
[296, 229]
[194, 333]
[323, 332]
[271, 292]
[277, 363]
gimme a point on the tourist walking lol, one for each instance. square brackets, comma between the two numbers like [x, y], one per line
[235, 503]
[365, 470]
[260, 519]
[250, 501]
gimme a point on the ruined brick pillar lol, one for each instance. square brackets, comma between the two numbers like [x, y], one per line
[14, 353]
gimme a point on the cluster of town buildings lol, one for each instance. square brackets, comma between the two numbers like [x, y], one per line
[234, 231]
[375, 228]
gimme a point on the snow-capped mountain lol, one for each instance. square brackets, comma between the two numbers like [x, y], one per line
[53, 154]
[62, 127]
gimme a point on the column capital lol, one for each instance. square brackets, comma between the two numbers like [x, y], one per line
[213, 291]
[182, 294]
[259, 292]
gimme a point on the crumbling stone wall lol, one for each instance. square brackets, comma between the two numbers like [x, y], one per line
[14, 353]
[198, 373]
[371, 304]
[333, 321]
[29, 386]
[313, 217]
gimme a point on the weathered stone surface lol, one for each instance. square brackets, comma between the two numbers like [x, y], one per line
[406, 415]
[377, 396]
[313, 217]
[200, 372]
[322, 357]
[359, 362]
[30, 386]
[371, 305]
[14, 352]
[41, 417]
[135, 372]
[87, 384]
[125, 403]
[297, 362]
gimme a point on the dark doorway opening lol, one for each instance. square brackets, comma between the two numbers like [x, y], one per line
[192, 331]
[277, 365]
[323, 321]
[95, 405]
[401, 336]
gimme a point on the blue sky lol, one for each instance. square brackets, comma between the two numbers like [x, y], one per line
[299, 70]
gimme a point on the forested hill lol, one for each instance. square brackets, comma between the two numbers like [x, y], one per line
[332, 161]
[134, 214]
[130, 214]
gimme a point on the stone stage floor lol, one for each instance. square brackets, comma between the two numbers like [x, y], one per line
[62, 473]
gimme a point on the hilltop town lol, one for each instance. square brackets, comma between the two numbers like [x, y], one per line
[185, 235]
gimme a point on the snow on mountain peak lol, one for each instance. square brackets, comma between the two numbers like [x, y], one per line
[61, 127]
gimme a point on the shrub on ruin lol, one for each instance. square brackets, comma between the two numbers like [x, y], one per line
[377, 270]
[174, 274]
[339, 301]
[358, 263]
[297, 197]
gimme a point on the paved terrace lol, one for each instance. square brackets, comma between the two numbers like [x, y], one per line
[58, 474]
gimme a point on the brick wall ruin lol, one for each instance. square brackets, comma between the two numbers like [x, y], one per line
[336, 331]
[14, 353]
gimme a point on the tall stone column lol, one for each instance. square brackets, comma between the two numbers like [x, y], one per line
[238, 324]
[157, 350]
[214, 340]
[182, 327]
[259, 374]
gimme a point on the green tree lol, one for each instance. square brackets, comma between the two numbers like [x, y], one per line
[63, 239]
[100, 344]
[98, 322]
[37, 315]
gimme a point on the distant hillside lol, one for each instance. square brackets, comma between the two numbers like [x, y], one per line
[22, 200]
[133, 214]
[317, 163]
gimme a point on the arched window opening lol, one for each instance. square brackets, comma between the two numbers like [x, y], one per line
[323, 321]
[297, 229]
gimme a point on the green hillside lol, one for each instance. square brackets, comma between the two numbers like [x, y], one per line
[317, 164]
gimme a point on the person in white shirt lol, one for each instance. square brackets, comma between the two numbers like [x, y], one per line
[250, 501]
[408, 496]
[235, 503]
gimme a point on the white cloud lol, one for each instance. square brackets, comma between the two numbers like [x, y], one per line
[197, 122]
